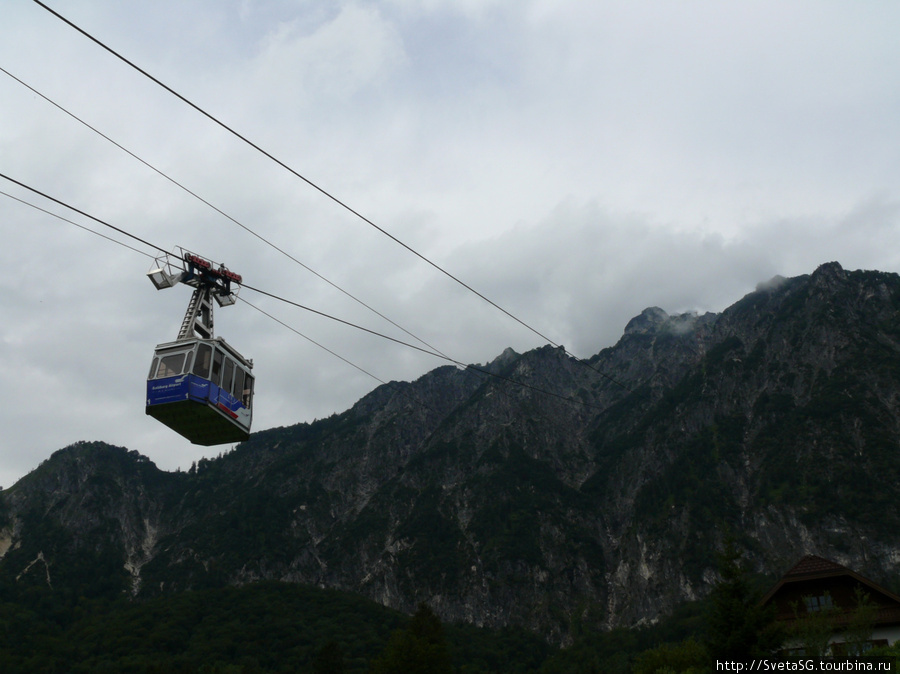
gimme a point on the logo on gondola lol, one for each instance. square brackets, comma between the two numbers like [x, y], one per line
[170, 383]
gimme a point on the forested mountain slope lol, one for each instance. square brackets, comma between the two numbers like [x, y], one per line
[499, 504]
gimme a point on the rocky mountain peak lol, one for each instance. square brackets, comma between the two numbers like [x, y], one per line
[647, 322]
[828, 274]
[504, 359]
[771, 285]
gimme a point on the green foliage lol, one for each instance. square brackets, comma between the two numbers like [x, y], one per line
[832, 456]
[94, 570]
[266, 627]
[508, 650]
[892, 653]
[275, 627]
[862, 623]
[520, 494]
[437, 552]
[616, 651]
[729, 619]
[812, 630]
[688, 657]
[718, 353]
[329, 659]
[419, 649]
[598, 653]
[738, 628]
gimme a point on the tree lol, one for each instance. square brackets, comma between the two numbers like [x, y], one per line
[859, 630]
[329, 659]
[686, 657]
[738, 627]
[419, 649]
[812, 629]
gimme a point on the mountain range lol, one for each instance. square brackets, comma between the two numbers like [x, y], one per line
[538, 490]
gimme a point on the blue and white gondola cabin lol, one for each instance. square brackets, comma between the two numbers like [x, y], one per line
[199, 385]
[201, 389]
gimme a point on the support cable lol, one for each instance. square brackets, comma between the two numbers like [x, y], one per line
[72, 222]
[321, 190]
[311, 340]
[218, 210]
[301, 306]
[87, 215]
[146, 254]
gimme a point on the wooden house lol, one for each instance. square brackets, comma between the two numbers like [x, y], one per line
[818, 594]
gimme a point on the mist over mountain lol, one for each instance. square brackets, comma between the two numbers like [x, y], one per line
[536, 490]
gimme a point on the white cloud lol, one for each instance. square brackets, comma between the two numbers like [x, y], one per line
[354, 50]
[576, 162]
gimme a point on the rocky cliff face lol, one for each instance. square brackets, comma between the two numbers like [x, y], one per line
[555, 493]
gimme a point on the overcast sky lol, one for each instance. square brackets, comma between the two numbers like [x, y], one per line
[575, 162]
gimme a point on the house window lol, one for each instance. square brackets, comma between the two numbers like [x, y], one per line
[819, 603]
[842, 650]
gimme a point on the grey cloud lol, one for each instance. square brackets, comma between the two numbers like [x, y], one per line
[575, 162]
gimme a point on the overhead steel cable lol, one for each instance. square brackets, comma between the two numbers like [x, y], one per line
[411, 395]
[413, 346]
[312, 341]
[408, 391]
[243, 285]
[321, 190]
[301, 306]
[72, 222]
[218, 210]
[347, 323]
[146, 254]
[80, 212]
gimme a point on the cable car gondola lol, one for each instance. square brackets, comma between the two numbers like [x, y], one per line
[199, 385]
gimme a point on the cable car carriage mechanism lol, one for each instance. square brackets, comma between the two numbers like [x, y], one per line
[199, 385]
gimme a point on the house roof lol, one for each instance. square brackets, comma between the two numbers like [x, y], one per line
[812, 567]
